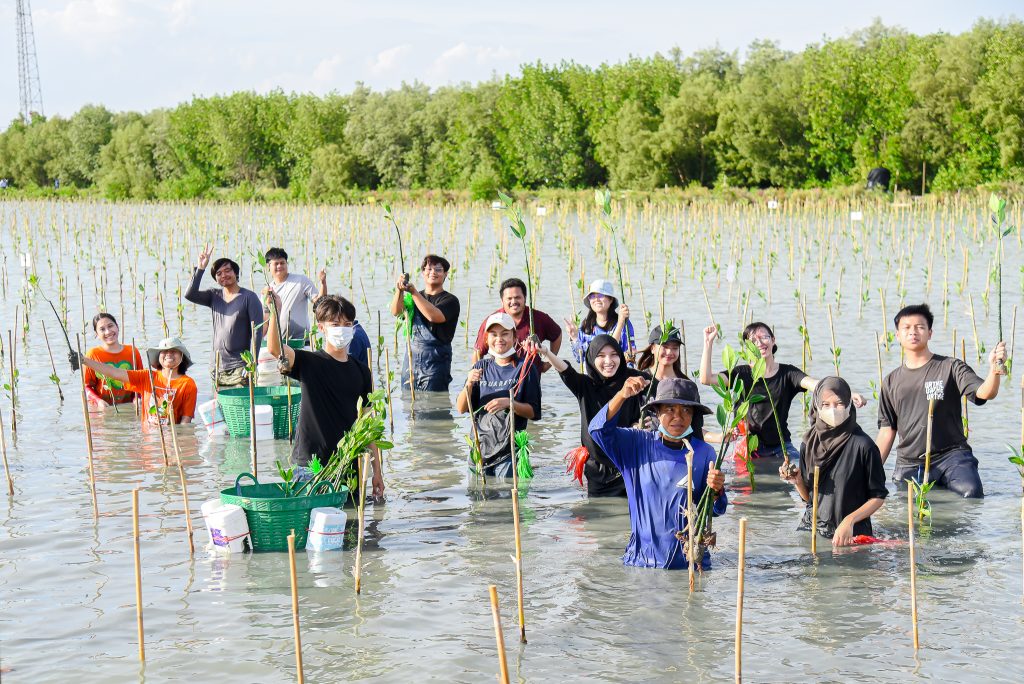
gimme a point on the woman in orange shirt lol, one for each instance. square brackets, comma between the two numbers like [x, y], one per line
[169, 361]
[110, 351]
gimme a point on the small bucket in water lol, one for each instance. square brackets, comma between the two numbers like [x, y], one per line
[212, 417]
[264, 422]
[227, 525]
[326, 529]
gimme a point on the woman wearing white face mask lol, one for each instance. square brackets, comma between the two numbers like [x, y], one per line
[332, 383]
[851, 483]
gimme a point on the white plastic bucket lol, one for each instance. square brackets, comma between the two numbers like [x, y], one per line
[213, 419]
[227, 526]
[326, 529]
[264, 422]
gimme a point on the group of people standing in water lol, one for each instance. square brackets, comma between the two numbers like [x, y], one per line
[641, 417]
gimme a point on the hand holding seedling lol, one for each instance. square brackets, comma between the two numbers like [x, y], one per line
[473, 377]
[270, 296]
[624, 311]
[790, 473]
[404, 285]
[204, 257]
[75, 359]
[633, 387]
[716, 479]
[858, 400]
[997, 358]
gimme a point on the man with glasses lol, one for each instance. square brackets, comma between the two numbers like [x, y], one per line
[432, 318]
[235, 311]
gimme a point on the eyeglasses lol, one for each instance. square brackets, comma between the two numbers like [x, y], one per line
[595, 295]
[760, 338]
[436, 268]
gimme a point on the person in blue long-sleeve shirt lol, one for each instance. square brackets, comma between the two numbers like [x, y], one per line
[653, 466]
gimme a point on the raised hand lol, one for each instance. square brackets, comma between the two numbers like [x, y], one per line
[204, 257]
[710, 335]
[633, 386]
[570, 327]
[321, 277]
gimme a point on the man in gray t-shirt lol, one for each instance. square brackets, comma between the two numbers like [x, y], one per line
[294, 291]
[235, 310]
[903, 407]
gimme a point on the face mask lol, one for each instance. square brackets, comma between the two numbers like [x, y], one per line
[834, 416]
[339, 336]
[687, 433]
[503, 355]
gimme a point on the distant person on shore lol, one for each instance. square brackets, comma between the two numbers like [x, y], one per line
[170, 362]
[435, 320]
[903, 407]
[851, 482]
[106, 391]
[294, 290]
[235, 310]
[486, 394]
[513, 302]
[604, 317]
[332, 385]
[655, 472]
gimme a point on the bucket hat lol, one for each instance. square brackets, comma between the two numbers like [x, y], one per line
[601, 287]
[153, 353]
[678, 391]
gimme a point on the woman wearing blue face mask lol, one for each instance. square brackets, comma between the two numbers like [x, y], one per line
[332, 383]
[654, 470]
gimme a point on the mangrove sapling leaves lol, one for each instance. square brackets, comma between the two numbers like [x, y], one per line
[1017, 459]
[997, 205]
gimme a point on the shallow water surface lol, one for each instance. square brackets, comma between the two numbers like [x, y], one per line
[67, 602]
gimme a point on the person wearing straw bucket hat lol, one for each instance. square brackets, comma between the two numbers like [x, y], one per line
[604, 317]
[170, 362]
[654, 469]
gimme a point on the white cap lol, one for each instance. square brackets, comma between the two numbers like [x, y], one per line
[501, 318]
[601, 287]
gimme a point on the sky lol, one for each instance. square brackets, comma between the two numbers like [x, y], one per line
[144, 54]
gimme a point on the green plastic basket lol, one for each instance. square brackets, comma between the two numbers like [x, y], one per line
[272, 516]
[234, 404]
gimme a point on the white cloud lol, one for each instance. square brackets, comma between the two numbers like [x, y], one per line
[388, 59]
[326, 69]
[462, 53]
[90, 22]
[180, 13]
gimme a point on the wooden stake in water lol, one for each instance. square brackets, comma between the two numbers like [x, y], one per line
[814, 511]
[252, 401]
[295, 608]
[933, 393]
[832, 332]
[740, 571]
[53, 368]
[3, 451]
[518, 558]
[184, 482]
[88, 436]
[498, 635]
[387, 386]
[689, 518]
[913, 564]
[138, 575]
[159, 420]
[362, 524]
[14, 379]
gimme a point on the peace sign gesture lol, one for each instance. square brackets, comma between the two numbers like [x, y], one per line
[204, 257]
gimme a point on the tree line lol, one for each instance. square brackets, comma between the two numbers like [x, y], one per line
[945, 109]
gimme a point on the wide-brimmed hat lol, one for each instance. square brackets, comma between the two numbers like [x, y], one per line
[601, 287]
[679, 391]
[153, 353]
[673, 336]
[501, 318]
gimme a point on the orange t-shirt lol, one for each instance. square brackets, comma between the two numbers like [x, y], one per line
[128, 359]
[181, 393]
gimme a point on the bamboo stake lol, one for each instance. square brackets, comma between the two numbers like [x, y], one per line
[252, 401]
[159, 422]
[7, 471]
[913, 565]
[928, 439]
[88, 435]
[689, 518]
[518, 558]
[412, 372]
[137, 401]
[362, 519]
[138, 575]
[53, 367]
[14, 379]
[832, 332]
[740, 572]
[295, 608]
[498, 636]
[387, 385]
[814, 511]
[184, 483]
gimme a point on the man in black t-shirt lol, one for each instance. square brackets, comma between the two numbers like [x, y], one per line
[435, 319]
[332, 384]
[903, 407]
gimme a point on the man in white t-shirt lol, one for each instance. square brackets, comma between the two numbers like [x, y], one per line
[294, 290]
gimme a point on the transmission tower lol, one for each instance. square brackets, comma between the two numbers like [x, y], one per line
[30, 91]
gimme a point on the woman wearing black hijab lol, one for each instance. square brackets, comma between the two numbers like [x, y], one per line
[606, 373]
[851, 484]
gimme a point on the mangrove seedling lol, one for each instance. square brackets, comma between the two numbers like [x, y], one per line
[924, 508]
[518, 228]
[367, 431]
[1017, 459]
[524, 469]
[997, 206]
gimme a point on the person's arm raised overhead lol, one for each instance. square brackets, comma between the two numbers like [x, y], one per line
[194, 294]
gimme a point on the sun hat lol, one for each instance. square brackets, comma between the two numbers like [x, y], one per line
[601, 287]
[153, 353]
[501, 318]
[679, 391]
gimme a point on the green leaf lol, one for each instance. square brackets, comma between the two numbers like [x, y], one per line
[729, 357]
[721, 416]
[755, 398]
[752, 443]
[1005, 232]
[998, 207]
